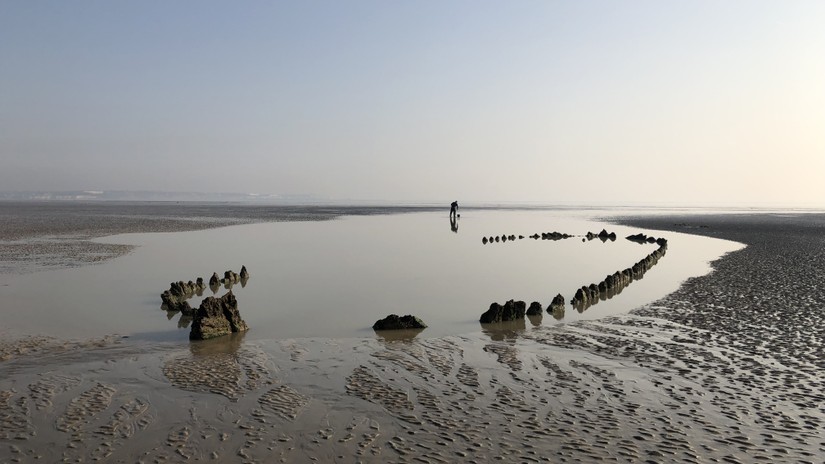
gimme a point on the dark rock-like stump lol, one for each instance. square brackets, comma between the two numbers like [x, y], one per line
[395, 322]
[511, 311]
[556, 305]
[534, 309]
[217, 317]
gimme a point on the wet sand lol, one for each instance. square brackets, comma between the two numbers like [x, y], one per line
[726, 369]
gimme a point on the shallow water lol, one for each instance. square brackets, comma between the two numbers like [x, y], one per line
[336, 278]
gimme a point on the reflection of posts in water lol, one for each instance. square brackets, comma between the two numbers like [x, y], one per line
[184, 321]
[500, 331]
[226, 344]
[453, 223]
[398, 335]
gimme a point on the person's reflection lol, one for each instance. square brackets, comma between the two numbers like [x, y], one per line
[453, 223]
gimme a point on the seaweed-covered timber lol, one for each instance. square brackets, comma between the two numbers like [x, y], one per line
[230, 277]
[554, 236]
[556, 305]
[395, 322]
[614, 283]
[217, 317]
[175, 298]
[513, 238]
[587, 295]
[604, 236]
[512, 310]
[641, 239]
[534, 309]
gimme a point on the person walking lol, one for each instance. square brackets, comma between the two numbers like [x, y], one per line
[453, 208]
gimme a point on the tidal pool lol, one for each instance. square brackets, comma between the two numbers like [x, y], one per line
[336, 278]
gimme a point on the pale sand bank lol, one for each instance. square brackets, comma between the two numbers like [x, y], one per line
[728, 369]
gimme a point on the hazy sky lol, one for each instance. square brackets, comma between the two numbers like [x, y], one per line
[711, 102]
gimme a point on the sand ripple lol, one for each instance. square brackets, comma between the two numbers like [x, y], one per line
[284, 401]
[727, 369]
[229, 371]
[626, 389]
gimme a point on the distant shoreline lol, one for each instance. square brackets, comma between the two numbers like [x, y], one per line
[41, 235]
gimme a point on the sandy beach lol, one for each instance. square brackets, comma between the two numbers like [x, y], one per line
[726, 369]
